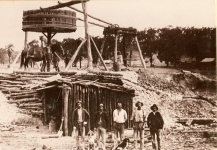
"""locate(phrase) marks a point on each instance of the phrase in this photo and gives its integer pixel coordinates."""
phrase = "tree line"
(170, 43)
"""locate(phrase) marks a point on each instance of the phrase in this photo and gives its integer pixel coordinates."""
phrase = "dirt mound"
(170, 94)
(194, 81)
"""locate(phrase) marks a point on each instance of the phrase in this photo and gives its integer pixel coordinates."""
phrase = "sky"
(139, 14)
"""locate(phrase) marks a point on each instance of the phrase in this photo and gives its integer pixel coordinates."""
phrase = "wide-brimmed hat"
(101, 104)
(154, 106)
(79, 101)
(119, 102)
(138, 103)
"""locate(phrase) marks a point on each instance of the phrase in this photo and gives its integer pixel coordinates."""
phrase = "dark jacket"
(155, 121)
(85, 116)
(104, 119)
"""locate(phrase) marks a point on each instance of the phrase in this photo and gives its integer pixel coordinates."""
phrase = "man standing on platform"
(101, 122)
(119, 118)
(138, 119)
(155, 123)
(80, 120)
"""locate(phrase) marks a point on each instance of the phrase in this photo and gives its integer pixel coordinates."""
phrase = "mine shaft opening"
(53, 108)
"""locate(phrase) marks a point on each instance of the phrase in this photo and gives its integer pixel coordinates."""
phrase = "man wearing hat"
(155, 123)
(101, 122)
(80, 119)
(138, 119)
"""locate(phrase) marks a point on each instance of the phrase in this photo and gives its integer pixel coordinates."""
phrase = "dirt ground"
(22, 132)
(29, 138)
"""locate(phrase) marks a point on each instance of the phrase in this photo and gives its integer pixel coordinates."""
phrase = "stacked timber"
(18, 88)
(25, 89)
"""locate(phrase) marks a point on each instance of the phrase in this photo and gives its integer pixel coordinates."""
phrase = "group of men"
(139, 119)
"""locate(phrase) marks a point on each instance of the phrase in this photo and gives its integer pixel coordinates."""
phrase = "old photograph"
(108, 75)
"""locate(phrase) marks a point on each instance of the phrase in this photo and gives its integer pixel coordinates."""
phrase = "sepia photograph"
(108, 75)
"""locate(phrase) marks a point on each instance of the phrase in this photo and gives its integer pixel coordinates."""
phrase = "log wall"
(92, 96)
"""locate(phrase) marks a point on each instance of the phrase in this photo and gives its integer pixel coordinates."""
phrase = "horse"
(45, 54)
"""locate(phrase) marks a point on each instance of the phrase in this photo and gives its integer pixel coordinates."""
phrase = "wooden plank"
(24, 96)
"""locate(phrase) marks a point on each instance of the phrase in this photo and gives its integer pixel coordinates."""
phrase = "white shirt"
(119, 116)
(80, 119)
(138, 115)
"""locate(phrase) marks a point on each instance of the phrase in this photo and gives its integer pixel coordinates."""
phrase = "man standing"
(101, 122)
(155, 123)
(138, 119)
(119, 118)
(80, 120)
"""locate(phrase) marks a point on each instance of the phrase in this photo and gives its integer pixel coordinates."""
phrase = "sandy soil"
(22, 132)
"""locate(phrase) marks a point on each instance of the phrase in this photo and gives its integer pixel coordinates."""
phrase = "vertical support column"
(131, 53)
(116, 65)
(124, 51)
(65, 95)
(140, 53)
(44, 108)
(49, 37)
(87, 36)
(116, 49)
(26, 39)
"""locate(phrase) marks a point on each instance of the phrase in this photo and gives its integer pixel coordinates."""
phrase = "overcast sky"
(139, 14)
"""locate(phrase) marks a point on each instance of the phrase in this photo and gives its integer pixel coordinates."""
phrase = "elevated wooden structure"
(49, 21)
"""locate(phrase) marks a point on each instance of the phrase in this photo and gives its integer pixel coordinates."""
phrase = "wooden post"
(99, 54)
(65, 95)
(140, 53)
(74, 55)
(26, 39)
(44, 108)
(49, 37)
(116, 49)
(87, 36)
(115, 64)
(131, 53)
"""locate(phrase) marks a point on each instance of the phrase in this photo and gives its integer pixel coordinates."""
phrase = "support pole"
(140, 53)
(115, 64)
(116, 49)
(49, 37)
(74, 55)
(131, 53)
(65, 95)
(26, 39)
(87, 36)
(99, 54)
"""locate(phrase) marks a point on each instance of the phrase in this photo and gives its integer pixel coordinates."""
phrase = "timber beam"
(119, 31)
(72, 2)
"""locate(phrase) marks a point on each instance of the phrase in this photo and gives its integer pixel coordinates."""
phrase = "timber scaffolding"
(53, 95)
